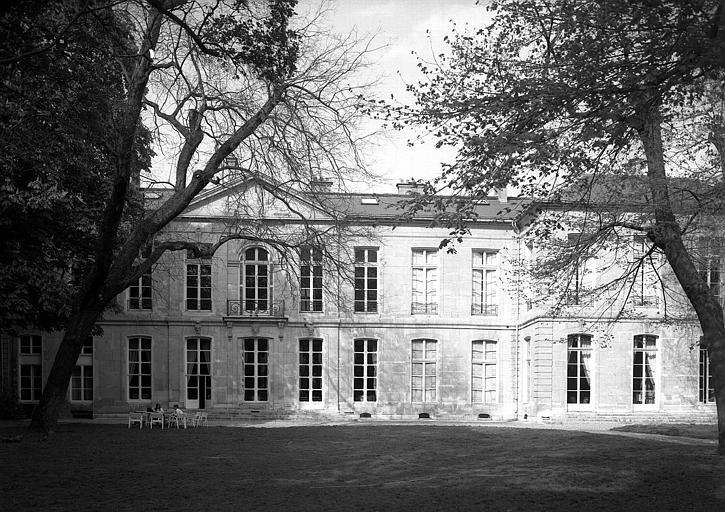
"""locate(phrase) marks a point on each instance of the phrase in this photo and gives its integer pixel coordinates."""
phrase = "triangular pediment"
(257, 199)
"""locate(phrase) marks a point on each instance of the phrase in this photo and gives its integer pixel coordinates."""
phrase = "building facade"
(411, 328)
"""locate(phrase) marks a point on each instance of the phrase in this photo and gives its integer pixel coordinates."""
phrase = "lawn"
(356, 467)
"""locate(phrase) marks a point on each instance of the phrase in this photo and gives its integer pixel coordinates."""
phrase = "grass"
(694, 430)
(355, 467)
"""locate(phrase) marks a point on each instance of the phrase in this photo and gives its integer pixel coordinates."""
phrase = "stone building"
(414, 329)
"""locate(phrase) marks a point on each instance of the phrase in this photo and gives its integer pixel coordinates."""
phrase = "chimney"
(502, 195)
(320, 185)
(410, 187)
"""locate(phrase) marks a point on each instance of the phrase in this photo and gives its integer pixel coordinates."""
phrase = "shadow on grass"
(694, 430)
(355, 467)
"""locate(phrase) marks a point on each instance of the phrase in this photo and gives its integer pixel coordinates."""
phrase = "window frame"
(198, 300)
(362, 376)
(362, 270)
(311, 271)
(425, 363)
(86, 392)
(483, 306)
(310, 365)
(245, 286)
(140, 294)
(644, 403)
(639, 296)
(706, 388)
(30, 361)
(256, 365)
(579, 351)
(140, 374)
(430, 294)
(485, 364)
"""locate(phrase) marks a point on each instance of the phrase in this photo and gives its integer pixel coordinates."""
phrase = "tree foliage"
(610, 108)
(57, 124)
(231, 91)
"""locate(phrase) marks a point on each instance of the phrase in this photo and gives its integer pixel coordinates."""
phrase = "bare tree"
(232, 90)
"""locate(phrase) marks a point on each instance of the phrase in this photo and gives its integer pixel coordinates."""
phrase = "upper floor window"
(485, 266)
(578, 369)
(424, 371)
(710, 253)
(425, 281)
(139, 293)
(198, 285)
(644, 371)
(30, 344)
(139, 368)
(644, 288)
(366, 280)
(582, 272)
(310, 279)
(483, 372)
(255, 280)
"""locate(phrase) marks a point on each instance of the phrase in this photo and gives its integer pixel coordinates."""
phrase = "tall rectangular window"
(644, 288)
(365, 368)
(423, 370)
(139, 368)
(644, 374)
(425, 281)
(198, 373)
(139, 293)
(582, 274)
(30, 382)
(485, 266)
(311, 280)
(578, 369)
(707, 388)
(198, 285)
(366, 280)
(710, 252)
(81, 383)
(310, 370)
(256, 369)
(483, 372)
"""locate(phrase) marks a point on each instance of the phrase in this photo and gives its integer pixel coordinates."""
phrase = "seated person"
(178, 410)
(158, 408)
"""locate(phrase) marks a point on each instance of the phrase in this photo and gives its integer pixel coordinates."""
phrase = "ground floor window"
(483, 372)
(310, 370)
(81, 383)
(578, 369)
(707, 389)
(139, 368)
(365, 370)
(31, 382)
(644, 371)
(424, 370)
(198, 372)
(256, 369)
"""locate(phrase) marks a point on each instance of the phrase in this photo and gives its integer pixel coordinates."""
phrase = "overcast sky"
(403, 25)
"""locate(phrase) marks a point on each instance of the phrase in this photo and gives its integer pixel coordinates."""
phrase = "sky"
(404, 26)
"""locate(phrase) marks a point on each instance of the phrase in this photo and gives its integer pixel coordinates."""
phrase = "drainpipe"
(517, 325)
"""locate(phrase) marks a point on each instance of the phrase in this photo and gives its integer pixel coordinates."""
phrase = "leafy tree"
(57, 123)
(584, 102)
(230, 90)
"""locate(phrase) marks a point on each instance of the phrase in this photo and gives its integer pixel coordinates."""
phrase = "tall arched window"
(255, 286)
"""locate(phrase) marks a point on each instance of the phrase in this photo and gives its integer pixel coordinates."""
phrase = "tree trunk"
(667, 236)
(48, 410)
